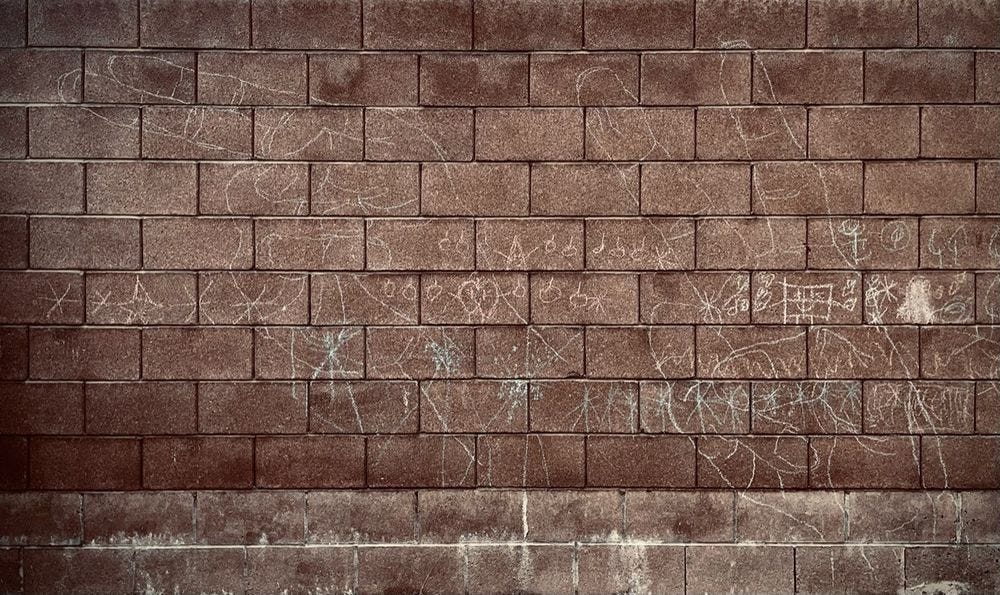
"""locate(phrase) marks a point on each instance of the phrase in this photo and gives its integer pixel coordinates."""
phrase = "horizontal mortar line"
(305, 104)
(486, 51)
(582, 160)
(485, 544)
(526, 433)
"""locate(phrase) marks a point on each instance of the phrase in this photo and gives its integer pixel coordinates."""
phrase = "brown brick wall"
(499, 295)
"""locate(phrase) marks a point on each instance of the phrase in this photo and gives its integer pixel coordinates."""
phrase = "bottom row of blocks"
(498, 567)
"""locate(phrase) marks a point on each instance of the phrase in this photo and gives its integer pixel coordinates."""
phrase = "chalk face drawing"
(515, 296)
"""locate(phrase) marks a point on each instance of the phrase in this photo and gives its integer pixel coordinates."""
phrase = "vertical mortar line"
(864, 76)
(419, 77)
(309, 90)
(250, 28)
(197, 68)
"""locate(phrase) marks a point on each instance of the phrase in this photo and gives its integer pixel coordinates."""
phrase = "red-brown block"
(307, 24)
(420, 352)
(107, 23)
(85, 463)
(678, 516)
(84, 243)
(638, 24)
(213, 570)
(351, 516)
(530, 460)
(474, 406)
(752, 462)
(647, 461)
(40, 75)
(748, 568)
(863, 352)
(369, 406)
(584, 298)
(448, 516)
(960, 131)
(961, 462)
(862, 23)
(417, 24)
(85, 353)
(808, 77)
(363, 79)
(142, 188)
(790, 517)
(614, 568)
(872, 462)
(474, 79)
(197, 463)
(203, 132)
(692, 78)
(474, 189)
(420, 244)
(195, 243)
(310, 462)
(40, 518)
(750, 24)
(919, 77)
(233, 78)
(139, 77)
(601, 79)
(196, 353)
(744, 133)
(965, 23)
(855, 568)
(38, 297)
(138, 518)
(313, 134)
(403, 569)
(421, 461)
(419, 134)
(377, 298)
(535, 134)
(128, 408)
(863, 132)
(60, 570)
(529, 351)
(529, 24)
(41, 408)
(195, 23)
(41, 187)
(640, 352)
(251, 408)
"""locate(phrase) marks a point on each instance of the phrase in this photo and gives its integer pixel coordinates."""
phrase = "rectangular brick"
(84, 243)
(31, 75)
(307, 24)
(253, 188)
(40, 518)
(363, 407)
(987, 297)
(233, 78)
(681, 78)
(14, 129)
(694, 407)
(360, 516)
(614, 568)
(777, 243)
(474, 406)
(987, 76)
(476, 298)
(529, 351)
(196, 353)
(640, 244)
(46, 187)
(85, 463)
(960, 131)
(640, 133)
(561, 515)
(363, 79)
(923, 187)
(251, 518)
(424, 134)
(421, 461)
(862, 243)
(863, 352)
(531, 569)
(869, 132)
(420, 352)
(729, 568)
(745, 133)
(987, 187)
(290, 567)
(203, 132)
(972, 566)
(14, 12)
(309, 353)
(40, 297)
(533, 134)
(420, 244)
(84, 353)
(201, 24)
(959, 242)
(313, 134)
(640, 24)
(528, 25)
(808, 187)
(770, 26)
(189, 243)
(808, 77)
(191, 569)
(959, 352)
(929, 298)
(862, 23)
(141, 298)
(980, 525)
(601, 79)
(584, 189)
(41, 408)
(584, 406)
(257, 408)
(679, 516)
(138, 188)
(138, 518)
(695, 188)
(790, 517)
(640, 352)
(530, 460)
(93, 570)
(402, 569)
(867, 462)
(139, 77)
(584, 298)
(529, 244)
(415, 25)
(14, 242)
(388, 189)
(966, 24)
(309, 244)
(474, 189)
(14, 349)
(860, 567)
(474, 79)
(646, 461)
(919, 77)
(200, 462)
(452, 516)
(128, 408)
(987, 407)
(809, 297)
(899, 516)
(751, 351)
(808, 407)
(752, 462)
(376, 298)
(310, 461)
